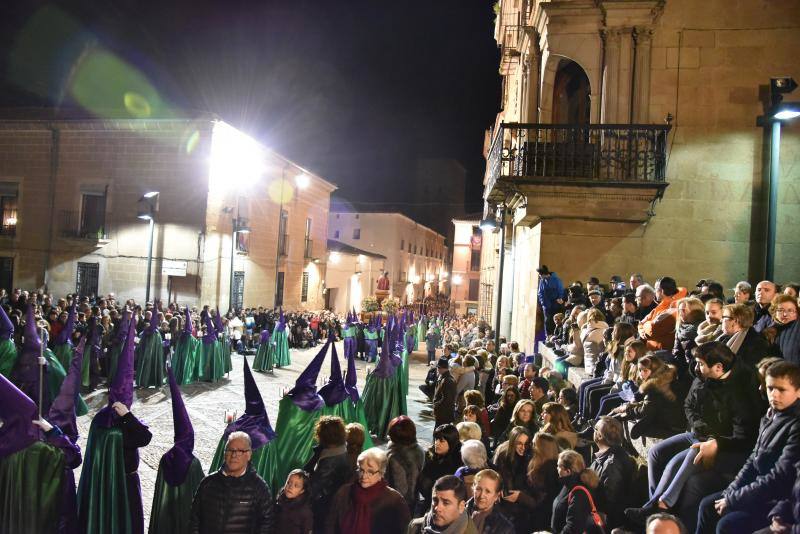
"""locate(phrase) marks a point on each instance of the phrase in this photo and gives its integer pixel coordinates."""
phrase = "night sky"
(356, 91)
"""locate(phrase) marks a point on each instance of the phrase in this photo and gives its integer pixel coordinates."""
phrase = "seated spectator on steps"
(765, 292)
(784, 334)
(659, 412)
(592, 339)
(645, 301)
(555, 421)
(769, 472)
(743, 293)
(658, 327)
(722, 408)
(738, 333)
(711, 328)
(574, 349)
(615, 467)
(690, 315)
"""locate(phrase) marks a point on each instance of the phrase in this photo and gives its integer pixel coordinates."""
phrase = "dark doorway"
(571, 90)
(7, 274)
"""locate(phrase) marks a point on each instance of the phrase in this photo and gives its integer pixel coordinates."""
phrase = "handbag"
(597, 518)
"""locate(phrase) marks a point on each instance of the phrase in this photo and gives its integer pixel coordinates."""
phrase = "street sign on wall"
(173, 267)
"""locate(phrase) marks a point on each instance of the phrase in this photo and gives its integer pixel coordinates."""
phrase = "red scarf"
(358, 520)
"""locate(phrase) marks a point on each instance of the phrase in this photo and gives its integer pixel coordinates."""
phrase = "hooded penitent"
(280, 343)
(179, 473)
(91, 358)
(184, 361)
(211, 358)
(8, 351)
(299, 411)
(371, 335)
(225, 343)
(254, 421)
(349, 335)
(118, 344)
(62, 343)
(150, 356)
(384, 398)
(264, 356)
(109, 494)
(31, 472)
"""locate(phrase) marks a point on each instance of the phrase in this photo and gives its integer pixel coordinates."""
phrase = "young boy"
(769, 473)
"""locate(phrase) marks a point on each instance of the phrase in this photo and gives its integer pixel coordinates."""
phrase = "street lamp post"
(778, 112)
(148, 207)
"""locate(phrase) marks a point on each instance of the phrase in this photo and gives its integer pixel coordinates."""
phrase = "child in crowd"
(293, 513)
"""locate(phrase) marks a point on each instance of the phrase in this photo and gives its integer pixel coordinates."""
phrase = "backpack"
(597, 518)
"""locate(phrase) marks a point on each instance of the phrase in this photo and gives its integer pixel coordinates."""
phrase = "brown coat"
(390, 513)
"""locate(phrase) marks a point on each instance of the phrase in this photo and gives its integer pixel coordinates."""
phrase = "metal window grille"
(87, 279)
(304, 288)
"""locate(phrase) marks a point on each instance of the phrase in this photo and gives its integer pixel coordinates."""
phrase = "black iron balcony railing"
(308, 248)
(71, 226)
(596, 153)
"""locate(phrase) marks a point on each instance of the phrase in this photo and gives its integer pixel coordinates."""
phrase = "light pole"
(777, 113)
(148, 207)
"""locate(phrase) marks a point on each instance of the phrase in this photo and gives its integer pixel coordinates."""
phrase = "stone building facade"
(465, 277)
(662, 169)
(76, 187)
(416, 256)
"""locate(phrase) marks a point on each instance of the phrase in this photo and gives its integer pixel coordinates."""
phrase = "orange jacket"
(658, 327)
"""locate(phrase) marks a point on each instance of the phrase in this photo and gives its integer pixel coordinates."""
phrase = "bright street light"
(302, 180)
(457, 279)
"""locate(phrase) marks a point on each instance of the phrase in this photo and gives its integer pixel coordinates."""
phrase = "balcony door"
(571, 90)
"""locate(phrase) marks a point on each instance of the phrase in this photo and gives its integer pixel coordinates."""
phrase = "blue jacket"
(550, 290)
(769, 472)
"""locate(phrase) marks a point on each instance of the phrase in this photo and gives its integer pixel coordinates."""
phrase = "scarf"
(456, 526)
(707, 332)
(358, 520)
(735, 342)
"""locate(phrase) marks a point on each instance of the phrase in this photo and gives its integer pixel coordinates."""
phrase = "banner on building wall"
(173, 268)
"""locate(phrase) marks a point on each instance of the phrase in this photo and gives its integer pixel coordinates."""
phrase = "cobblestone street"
(207, 404)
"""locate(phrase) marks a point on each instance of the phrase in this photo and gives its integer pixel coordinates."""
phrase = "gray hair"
(645, 288)
(473, 454)
(377, 456)
(240, 435)
(744, 287)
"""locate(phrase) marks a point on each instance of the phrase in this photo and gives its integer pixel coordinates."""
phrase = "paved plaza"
(207, 404)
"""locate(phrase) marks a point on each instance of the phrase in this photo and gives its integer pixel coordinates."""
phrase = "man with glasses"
(234, 500)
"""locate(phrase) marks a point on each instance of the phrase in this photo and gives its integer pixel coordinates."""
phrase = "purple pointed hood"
(153, 324)
(187, 324)
(304, 393)
(264, 336)
(122, 331)
(218, 326)
(62, 411)
(65, 336)
(351, 381)
(121, 389)
(178, 459)
(6, 326)
(211, 334)
(17, 411)
(26, 373)
(282, 320)
(254, 421)
(334, 391)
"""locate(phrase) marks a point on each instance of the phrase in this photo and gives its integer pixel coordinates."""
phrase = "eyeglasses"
(727, 317)
(786, 311)
(236, 452)
(367, 472)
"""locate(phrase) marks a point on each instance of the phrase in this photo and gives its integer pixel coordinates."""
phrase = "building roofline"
(344, 248)
(390, 213)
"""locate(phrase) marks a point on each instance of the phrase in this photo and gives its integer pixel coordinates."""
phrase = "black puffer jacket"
(659, 414)
(330, 470)
(232, 505)
(616, 468)
(726, 410)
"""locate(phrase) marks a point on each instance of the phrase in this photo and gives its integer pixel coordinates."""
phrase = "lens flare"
(137, 105)
(192, 141)
(280, 191)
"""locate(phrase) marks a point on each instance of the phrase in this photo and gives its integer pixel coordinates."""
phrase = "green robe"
(64, 354)
(55, 377)
(225, 347)
(212, 360)
(383, 401)
(103, 481)
(184, 360)
(31, 489)
(172, 505)
(150, 370)
(264, 360)
(280, 345)
(113, 359)
(8, 357)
